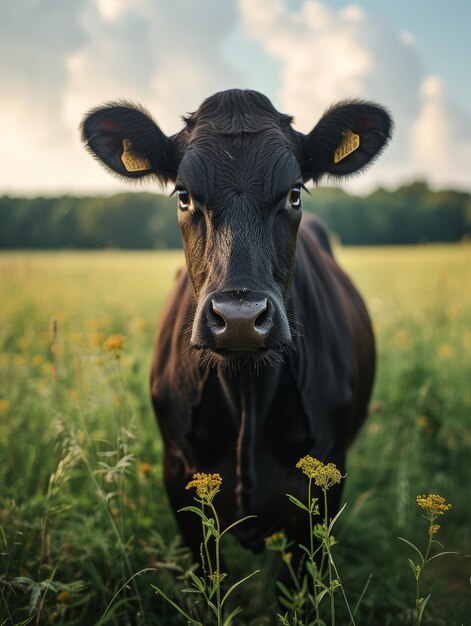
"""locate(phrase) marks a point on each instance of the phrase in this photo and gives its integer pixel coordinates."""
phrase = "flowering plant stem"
(334, 583)
(323, 476)
(217, 576)
(433, 505)
(329, 560)
(208, 585)
(312, 553)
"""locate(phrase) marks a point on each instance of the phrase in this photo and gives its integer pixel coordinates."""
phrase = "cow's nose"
(240, 323)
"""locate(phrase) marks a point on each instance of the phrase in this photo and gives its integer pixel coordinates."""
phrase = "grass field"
(82, 507)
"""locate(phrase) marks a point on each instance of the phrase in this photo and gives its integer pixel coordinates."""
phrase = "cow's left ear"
(126, 140)
(347, 138)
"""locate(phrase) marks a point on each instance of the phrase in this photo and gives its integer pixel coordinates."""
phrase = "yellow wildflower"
(76, 339)
(206, 485)
(144, 468)
(47, 368)
(4, 405)
(217, 577)
(274, 539)
(453, 313)
(287, 557)
(433, 504)
(324, 475)
(401, 339)
(37, 360)
(423, 421)
(114, 343)
(445, 351)
(65, 597)
(374, 428)
(434, 528)
(23, 343)
(97, 340)
(328, 475)
(308, 465)
(377, 406)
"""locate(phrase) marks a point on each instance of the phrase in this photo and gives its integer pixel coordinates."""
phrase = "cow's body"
(265, 352)
(252, 427)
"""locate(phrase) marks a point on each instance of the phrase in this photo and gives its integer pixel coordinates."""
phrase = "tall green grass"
(85, 525)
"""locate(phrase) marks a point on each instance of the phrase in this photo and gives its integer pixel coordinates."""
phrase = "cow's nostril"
(264, 320)
(218, 323)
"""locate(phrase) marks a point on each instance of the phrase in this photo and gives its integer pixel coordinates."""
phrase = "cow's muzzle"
(240, 320)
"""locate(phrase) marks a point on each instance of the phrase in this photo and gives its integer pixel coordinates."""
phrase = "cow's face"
(239, 169)
(239, 188)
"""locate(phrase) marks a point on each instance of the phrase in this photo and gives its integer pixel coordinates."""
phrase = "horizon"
(149, 188)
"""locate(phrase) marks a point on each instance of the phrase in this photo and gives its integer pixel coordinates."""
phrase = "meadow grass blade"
(236, 523)
(409, 543)
(123, 586)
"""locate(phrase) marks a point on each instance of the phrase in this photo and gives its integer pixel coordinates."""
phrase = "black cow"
(265, 351)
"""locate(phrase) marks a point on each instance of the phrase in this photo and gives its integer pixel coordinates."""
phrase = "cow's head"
(239, 169)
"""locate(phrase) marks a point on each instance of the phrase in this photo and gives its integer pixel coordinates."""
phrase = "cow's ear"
(129, 143)
(346, 139)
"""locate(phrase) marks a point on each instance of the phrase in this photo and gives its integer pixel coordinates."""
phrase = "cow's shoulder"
(313, 225)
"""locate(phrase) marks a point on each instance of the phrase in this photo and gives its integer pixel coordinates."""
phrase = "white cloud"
(327, 55)
(164, 54)
(34, 38)
(64, 58)
(407, 38)
(431, 133)
(441, 137)
(113, 9)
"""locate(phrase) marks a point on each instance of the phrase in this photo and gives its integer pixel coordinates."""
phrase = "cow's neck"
(250, 396)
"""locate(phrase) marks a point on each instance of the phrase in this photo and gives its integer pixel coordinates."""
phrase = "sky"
(59, 58)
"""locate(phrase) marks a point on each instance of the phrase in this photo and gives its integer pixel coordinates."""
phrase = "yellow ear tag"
(132, 162)
(349, 143)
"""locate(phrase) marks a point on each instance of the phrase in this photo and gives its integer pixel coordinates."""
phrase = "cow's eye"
(184, 200)
(294, 197)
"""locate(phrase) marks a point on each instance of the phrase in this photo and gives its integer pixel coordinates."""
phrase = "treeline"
(128, 220)
(411, 214)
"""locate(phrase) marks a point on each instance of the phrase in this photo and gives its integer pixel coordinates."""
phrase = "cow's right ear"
(126, 140)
